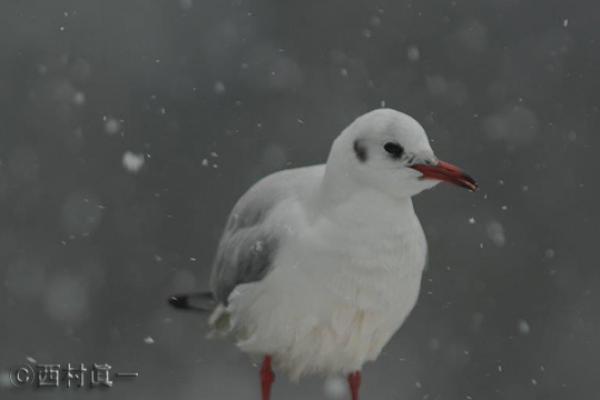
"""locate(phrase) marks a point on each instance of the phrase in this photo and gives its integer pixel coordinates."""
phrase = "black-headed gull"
(319, 266)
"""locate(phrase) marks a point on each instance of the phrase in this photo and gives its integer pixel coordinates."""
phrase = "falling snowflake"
(413, 54)
(111, 125)
(523, 327)
(148, 340)
(219, 87)
(133, 162)
(335, 387)
(79, 98)
(495, 232)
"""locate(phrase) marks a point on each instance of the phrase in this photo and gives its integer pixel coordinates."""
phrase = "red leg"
(267, 377)
(354, 382)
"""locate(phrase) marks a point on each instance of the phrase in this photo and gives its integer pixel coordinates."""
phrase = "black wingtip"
(201, 301)
(181, 302)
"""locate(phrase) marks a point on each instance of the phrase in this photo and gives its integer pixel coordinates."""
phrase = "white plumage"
(319, 266)
(340, 286)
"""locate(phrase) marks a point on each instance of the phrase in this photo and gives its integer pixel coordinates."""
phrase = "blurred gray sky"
(129, 128)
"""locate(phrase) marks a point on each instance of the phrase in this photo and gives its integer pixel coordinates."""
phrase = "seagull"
(319, 266)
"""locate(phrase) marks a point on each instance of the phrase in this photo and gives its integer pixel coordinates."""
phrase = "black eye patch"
(394, 149)
(360, 150)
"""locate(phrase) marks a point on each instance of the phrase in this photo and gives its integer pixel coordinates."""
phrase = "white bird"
(319, 266)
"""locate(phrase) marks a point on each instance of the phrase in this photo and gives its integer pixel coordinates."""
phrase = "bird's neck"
(353, 204)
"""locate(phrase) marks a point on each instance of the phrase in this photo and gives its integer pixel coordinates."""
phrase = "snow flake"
(219, 87)
(111, 125)
(523, 327)
(133, 162)
(413, 54)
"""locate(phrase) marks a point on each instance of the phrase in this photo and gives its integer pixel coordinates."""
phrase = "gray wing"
(247, 247)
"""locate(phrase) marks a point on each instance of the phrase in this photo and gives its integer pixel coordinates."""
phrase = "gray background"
(214, 94)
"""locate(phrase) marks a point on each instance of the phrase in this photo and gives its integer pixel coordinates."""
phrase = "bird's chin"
(412, 187)
(421, 185)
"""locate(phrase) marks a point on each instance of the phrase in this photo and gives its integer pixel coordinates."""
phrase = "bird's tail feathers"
(219, 320)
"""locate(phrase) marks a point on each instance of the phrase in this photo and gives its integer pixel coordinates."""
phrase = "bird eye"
(394, 149)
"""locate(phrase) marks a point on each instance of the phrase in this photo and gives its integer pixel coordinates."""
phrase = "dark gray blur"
(128, 128)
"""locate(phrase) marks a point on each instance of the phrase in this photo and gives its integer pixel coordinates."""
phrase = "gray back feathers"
(247, 247)
(251, 240)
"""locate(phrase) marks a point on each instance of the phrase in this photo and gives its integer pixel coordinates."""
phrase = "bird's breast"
(335, 296)
(369, 266)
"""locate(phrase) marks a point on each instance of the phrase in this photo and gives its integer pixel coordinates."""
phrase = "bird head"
(389, 151)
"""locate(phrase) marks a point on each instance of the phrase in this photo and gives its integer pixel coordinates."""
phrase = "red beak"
(446, 172)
